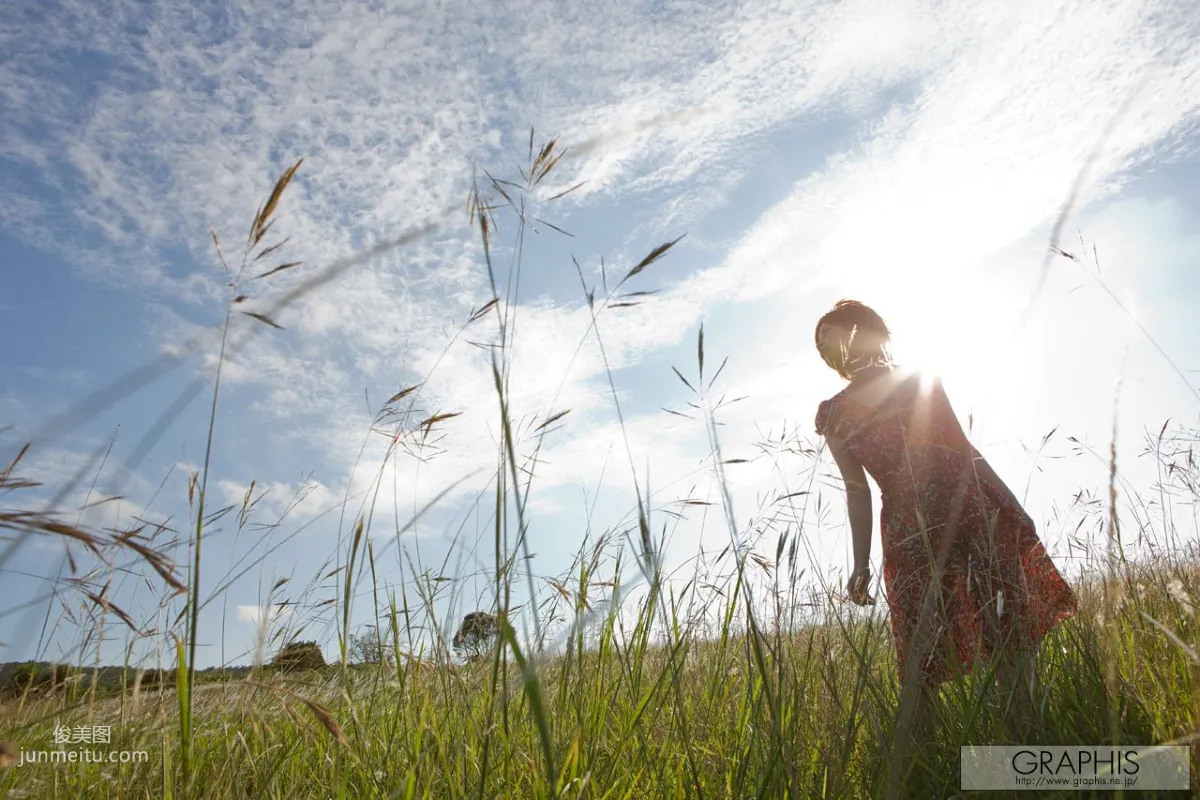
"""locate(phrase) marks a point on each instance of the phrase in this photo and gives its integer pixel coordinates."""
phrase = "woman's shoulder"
(898, 388)
(826, 411)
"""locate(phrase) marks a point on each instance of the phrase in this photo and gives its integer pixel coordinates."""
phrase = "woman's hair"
(861, 319)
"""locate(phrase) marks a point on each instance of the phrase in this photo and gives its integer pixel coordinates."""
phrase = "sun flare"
(963, 328)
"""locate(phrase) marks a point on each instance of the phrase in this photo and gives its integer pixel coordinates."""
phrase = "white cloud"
(269, 502)
(270, 615)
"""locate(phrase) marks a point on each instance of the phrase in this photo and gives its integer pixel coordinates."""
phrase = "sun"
(962, 326)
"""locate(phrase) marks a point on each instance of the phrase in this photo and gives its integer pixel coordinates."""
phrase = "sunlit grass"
(613, 713)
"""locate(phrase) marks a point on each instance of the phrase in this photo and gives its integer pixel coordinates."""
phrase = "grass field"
(754, 697)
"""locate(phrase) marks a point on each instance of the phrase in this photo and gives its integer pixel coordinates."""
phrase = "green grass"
(691, 719)
(698, 686)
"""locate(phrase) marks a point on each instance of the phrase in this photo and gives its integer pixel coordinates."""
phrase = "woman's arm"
(859, 511)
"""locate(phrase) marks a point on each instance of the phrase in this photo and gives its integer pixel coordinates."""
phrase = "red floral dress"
(997, 581)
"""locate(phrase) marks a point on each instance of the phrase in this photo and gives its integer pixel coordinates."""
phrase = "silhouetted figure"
(966, 577)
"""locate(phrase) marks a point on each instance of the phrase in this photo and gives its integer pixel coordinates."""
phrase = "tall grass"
(619, 677)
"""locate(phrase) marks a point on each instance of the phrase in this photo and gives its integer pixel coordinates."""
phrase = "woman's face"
(833, 343)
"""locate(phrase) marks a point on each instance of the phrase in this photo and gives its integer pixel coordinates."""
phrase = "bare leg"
(1016, 678)
(915, 731)
(916, 717)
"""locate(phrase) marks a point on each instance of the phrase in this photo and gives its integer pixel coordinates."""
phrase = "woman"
(966, 577)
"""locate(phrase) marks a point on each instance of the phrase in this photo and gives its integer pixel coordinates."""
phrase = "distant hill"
(41, 676)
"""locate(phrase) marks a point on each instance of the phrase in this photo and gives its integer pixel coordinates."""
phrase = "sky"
(917, 156)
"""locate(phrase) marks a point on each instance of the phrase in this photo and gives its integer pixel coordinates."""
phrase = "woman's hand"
(856, 587)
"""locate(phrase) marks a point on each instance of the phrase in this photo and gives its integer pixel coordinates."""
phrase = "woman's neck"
(867, 364)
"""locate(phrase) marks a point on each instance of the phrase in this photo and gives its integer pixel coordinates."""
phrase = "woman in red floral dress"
(966, 576)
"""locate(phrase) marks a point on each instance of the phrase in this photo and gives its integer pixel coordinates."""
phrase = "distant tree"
(298, 656)
(477, 635)
(368, 647)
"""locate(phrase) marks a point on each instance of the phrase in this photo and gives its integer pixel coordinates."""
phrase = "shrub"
(299, 656)
(476, 636)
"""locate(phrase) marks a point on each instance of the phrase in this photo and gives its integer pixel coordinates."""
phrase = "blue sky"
(913, 155)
